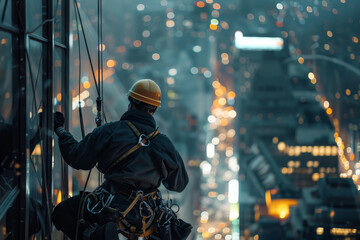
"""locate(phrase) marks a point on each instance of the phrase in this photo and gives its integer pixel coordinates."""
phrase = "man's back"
(144, 169)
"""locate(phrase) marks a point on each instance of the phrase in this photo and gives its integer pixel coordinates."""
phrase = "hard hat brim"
(144, 99)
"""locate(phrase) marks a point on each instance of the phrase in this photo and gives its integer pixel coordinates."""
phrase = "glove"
(59, 120)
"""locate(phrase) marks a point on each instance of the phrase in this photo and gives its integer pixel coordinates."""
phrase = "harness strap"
(133, 203)
(132, 126)
(148, 226)
(143, 141)
(132, 230)
(139, 196)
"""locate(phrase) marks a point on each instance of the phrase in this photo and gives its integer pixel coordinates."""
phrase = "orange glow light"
(216, 6)
(120, 49)
(280, 208)
(212, 194)
(231, 94)
(222, 101)
(216, 84)
(329, 111)
(58, 97)
(268, 198)
(156, 56)
(213, 27)
(206, 235)
(137, 43)
(86, 84)
(301, 60)
(219, 92)
(111, 63)
(222, 225)
(216, 103)
(279, 24)
(223, 122)
(200, 4)
(58, 200)
(170, 23)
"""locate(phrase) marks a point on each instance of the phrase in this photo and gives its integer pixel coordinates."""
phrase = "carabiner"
(142, 136)
(148, 208)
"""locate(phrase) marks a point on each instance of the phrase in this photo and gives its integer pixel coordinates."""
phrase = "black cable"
(40, 25)
(79, 80)
(97, 82)
(86, 45)
(3, 13)
(101, 81)
(99, 48)
(102, 64)
(81, 124)
(98, 86)
(102, 113)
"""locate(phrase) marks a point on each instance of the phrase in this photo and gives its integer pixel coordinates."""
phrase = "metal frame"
(20, 42)
(65, 89)
(48, 77)
(21, 229)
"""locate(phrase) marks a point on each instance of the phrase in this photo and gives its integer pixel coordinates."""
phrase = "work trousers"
(65, 218)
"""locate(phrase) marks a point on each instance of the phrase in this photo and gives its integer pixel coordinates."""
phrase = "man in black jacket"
(140, 173)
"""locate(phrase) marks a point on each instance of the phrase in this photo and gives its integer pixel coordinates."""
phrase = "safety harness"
(99, 201)
(144, 141)
(147, 213)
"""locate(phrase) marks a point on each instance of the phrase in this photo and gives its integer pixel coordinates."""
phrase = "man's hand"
(59, 120)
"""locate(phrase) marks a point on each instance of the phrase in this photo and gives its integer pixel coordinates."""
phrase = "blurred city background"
(261, 98)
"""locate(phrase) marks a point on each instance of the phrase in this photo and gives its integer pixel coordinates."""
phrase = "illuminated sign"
(233, 191)
(258, 43)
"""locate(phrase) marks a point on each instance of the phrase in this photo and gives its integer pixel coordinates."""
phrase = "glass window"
(5, 12)
(8, 190)
(5, 75)
(58, 103)
(34, 16)
(88, 96)
(60, 184)
(59, 14)
(37, 183)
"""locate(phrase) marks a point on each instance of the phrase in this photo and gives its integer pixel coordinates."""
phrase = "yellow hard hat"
(147, 91)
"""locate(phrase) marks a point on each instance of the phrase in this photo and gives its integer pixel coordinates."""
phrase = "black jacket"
(144, 169)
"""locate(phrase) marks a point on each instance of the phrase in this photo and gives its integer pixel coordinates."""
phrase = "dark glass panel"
(59, 13)
(8, 191)
(5, 11)
(35, 100)
(35, 18)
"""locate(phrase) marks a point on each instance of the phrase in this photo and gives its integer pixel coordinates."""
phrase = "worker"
(132, 177)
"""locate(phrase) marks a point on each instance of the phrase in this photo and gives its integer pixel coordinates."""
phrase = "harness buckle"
(143, 136)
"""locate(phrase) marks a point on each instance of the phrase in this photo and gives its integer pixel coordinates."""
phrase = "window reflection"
(37, 183)
(8, 190)
(59, 24)
(6, 6)
(35, 16)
